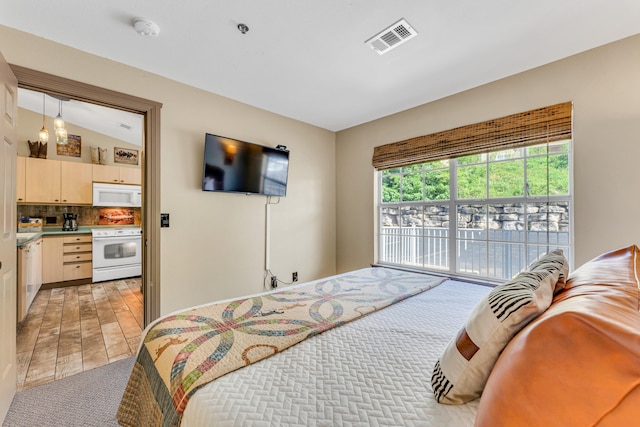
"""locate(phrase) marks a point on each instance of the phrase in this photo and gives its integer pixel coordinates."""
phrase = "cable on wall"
(267, 234)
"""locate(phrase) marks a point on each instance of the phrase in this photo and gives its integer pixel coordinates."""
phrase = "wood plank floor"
(76, 328)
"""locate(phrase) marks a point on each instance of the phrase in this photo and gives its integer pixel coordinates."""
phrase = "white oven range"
(117, 253)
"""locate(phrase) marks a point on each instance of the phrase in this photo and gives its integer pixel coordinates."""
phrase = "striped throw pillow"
(462, 371)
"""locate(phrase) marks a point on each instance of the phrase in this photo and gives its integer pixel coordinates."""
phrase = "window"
(483, 214)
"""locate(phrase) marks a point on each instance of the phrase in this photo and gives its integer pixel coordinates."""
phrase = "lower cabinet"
(52, 259)
(66, 258)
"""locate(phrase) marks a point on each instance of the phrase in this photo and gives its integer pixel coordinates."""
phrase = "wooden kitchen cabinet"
(21, 174)
(55, 181)
(52, 259)
(76, 182)
(131, 176)
(79, 270)
(67, 258)
(42, 180)
(103, 173)
(116, 174)
(76, 258)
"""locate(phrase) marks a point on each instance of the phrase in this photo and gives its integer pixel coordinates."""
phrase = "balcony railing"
(496, 254)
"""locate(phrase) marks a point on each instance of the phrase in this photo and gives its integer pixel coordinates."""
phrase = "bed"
(375, 370)
(572, 359)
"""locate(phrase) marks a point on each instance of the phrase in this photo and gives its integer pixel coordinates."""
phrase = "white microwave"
(117, 195)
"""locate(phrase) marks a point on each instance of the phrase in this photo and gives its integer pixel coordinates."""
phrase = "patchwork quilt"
(184, 351)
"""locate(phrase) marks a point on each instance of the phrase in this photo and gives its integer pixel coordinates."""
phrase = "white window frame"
(453, 203)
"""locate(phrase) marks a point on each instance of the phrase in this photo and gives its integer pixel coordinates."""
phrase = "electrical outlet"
(274, 282)
(294, 276)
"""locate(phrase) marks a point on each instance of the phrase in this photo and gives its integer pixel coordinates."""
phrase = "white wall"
(215, 246)
(604, 85)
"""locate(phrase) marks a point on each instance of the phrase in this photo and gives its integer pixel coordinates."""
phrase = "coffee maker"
(70, 222)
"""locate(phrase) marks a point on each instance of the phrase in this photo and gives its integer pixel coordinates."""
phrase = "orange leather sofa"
(577, 364)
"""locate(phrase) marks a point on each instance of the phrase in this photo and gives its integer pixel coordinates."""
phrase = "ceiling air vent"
(392, 37)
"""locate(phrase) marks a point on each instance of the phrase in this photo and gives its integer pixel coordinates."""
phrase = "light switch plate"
(164, 220)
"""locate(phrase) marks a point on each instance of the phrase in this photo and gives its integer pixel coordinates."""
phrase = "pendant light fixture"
(58, 125)
(61, 136)
(43, 136)
(58, 122)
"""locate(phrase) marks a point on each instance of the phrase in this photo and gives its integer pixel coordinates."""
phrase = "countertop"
(56, 231)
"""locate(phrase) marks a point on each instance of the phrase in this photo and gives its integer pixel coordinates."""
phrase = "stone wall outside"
(540, 216)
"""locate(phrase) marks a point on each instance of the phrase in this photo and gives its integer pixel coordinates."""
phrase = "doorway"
(82, 316)
(150, 163)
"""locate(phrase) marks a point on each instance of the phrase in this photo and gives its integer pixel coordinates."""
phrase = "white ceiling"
(306, 59)
(117, 124)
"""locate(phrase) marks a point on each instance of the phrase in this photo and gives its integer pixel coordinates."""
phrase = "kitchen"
(79, 234)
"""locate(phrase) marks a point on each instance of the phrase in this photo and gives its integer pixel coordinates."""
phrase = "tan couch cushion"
(462, 371)
(578, 364)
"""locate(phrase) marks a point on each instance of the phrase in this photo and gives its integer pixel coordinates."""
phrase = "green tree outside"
(503, 175)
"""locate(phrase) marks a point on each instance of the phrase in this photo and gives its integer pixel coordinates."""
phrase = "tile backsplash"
(87, 215)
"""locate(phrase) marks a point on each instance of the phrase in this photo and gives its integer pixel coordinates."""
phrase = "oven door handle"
(117, 238)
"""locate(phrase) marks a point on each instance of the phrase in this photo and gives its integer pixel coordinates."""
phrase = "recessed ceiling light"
(146, 28)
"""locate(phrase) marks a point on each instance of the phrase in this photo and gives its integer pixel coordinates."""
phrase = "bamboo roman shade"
(546, 124)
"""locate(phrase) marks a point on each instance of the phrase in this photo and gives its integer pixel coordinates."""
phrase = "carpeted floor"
(87, 399)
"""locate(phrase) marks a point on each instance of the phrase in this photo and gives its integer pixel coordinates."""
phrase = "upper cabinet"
(117, 174)
(130, 175)
(21, 175)
(75, 183)
(53, 181)
(42, 180)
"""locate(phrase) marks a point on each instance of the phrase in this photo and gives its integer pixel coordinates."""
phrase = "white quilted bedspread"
(375, 371)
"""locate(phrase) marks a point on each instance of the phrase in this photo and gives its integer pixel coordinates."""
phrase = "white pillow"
(462, 371)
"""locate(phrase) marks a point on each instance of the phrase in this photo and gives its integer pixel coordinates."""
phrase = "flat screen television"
(231, 165)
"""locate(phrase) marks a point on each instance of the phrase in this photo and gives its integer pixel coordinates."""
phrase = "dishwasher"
(29, 275)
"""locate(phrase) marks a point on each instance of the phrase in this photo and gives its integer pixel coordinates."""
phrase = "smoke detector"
(392, 37)
(146, 28)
